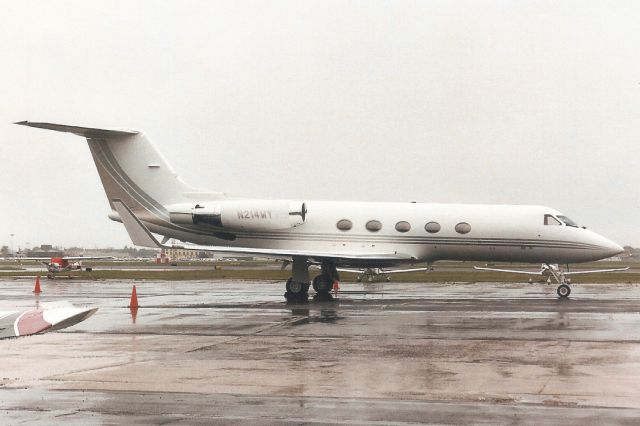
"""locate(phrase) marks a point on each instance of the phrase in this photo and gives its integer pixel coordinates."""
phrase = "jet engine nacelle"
(241, 215)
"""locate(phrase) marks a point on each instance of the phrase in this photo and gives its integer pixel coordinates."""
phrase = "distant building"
(179, 253)
(45, 250)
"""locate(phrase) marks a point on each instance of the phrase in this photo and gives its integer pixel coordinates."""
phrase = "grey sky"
(483, 102)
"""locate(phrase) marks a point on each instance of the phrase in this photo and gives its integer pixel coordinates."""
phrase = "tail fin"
(131, 169)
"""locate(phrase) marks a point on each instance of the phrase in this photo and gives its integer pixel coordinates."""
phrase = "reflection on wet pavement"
(379, 352)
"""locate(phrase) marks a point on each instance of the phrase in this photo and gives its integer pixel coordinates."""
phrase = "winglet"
(139, 234)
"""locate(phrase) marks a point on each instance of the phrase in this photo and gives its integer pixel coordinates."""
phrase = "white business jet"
(148, 197)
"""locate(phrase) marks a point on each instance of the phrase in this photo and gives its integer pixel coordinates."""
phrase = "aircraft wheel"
(564, 290)
(296, 287)
(322, 284)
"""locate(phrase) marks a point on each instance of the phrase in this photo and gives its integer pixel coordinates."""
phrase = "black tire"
(322, 284)
(296, 297)
(563, 291)
(296, 287)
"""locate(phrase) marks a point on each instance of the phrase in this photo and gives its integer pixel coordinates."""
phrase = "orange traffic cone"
(36, 289)
(133, 303)
(336, 287)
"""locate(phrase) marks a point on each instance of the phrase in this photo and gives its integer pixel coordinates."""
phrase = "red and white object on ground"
(50, 317)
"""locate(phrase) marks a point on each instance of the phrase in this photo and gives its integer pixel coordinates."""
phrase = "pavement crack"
(567, 343)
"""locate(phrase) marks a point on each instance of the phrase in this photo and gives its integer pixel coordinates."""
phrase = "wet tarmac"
(381, 353)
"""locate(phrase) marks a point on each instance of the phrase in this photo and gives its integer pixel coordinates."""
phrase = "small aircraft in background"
(370, 273)
(553, 270)
(56, 265)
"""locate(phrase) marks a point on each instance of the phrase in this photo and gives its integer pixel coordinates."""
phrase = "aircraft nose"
(609, 248)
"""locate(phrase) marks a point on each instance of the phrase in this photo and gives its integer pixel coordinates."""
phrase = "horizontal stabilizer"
(87, 132)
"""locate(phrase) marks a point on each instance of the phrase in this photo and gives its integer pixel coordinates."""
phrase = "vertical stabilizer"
(131, 169)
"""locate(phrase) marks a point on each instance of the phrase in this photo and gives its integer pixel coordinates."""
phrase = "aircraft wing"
(383, 272)
(595, 271)
(66, 258)
(141, 236)
(353, 271)
(87, 257)
(33, 258)
(398, 271)
(52, 316)
(511, 271)
(286, 253)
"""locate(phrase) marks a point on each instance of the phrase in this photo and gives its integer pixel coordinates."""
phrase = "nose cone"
(609, 248)
(602, 247)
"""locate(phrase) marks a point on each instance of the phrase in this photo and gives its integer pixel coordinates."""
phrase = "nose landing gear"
(563, 289)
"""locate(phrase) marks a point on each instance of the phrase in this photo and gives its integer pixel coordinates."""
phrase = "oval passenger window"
(403, 226)
(374, 225)
(432, 227)
(344, 225)
(463, 228)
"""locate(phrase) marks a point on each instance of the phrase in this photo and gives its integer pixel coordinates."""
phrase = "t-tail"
(133, 170)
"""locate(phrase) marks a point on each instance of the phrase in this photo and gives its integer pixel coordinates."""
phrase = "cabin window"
(550, 220)
(344, 225)
(432, 227)
(403, 226)
(373, 225)
(463, 228)
(568, 221)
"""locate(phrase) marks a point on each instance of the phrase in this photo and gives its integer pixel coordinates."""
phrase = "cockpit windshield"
(568, 221)
(550, 220)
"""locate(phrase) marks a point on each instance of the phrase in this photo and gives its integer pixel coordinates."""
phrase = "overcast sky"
(533, 102)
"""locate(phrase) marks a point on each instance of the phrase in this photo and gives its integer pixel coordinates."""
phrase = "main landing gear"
(563, 289)
(298, 285)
